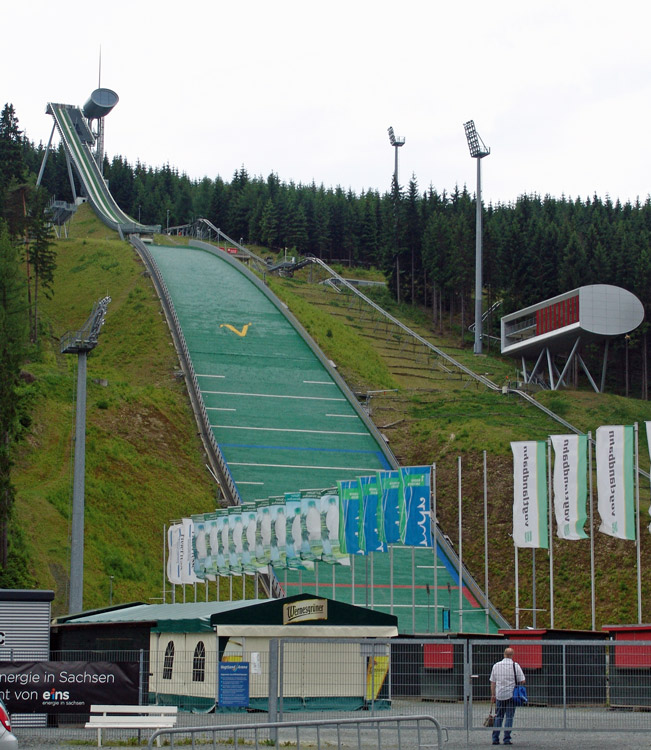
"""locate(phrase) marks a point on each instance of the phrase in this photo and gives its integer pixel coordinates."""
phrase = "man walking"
(504, 676)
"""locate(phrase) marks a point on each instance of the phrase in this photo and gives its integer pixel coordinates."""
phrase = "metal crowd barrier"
(417, 732)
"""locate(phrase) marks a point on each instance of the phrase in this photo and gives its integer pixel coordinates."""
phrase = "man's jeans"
(504, 710)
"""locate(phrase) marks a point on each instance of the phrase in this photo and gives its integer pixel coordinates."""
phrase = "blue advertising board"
(234, 684)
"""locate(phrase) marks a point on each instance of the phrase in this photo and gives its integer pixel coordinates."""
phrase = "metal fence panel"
(573, 685)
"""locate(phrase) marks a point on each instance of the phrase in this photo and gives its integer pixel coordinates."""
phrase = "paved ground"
(535, 728)
(551, 740)
(458, 740)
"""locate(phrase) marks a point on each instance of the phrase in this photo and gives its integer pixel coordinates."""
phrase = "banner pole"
(517, 592)
(533, 577)
(592, 581)
(637, 511)
(164, 563)
(486, 547)
(334, 581)
(366, 556)
(460, 551)
(391, 576)
(550, 534)
(436, 557)
(413, 589)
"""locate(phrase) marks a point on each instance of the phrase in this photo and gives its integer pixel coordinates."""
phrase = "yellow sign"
(376, 674)
(307, 609)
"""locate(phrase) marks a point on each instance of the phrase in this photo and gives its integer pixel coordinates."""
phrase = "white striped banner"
(570, 485)
(530, 494)
(615, 486)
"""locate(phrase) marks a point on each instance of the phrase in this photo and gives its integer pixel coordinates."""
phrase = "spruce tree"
(41, 254)
(12, 342)
(12, 168)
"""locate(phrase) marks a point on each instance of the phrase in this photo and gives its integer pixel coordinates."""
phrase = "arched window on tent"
(168, 661)
(199, 663)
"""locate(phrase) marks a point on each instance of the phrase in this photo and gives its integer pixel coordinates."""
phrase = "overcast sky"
(559, 90)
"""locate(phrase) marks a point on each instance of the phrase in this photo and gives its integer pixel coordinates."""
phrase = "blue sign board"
(234, 684)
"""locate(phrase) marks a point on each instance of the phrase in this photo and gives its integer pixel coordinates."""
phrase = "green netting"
(417, 611)
(279, 418)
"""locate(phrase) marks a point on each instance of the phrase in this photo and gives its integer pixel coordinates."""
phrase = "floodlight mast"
(80, 343)
(477, 151)
(396, 142)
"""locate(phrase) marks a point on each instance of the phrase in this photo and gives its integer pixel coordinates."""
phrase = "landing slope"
(281, 416)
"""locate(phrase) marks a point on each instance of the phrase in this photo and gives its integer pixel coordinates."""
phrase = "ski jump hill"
(276, 416)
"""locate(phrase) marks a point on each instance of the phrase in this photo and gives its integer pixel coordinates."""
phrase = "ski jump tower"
(100, 103)
(82, 135)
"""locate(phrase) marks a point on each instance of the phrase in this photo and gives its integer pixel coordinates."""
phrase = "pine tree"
(436, 250)
(41, 253)
(297, 234)
(573, 264)
(12, 342)
(322, 240)
(413, 235)
(269, 226)
(12, 168)
(394, 255)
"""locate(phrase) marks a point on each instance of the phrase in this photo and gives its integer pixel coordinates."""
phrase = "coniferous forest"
(422, 237)
(534, 247)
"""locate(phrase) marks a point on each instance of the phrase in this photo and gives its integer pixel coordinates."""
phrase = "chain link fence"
(573, 685)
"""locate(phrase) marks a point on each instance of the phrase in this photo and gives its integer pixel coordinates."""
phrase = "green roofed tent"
(269, 618)
(333, 671)
(253, 614)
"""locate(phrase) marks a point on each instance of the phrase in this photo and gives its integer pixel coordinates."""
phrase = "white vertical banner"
(615, 487)
(648, 442)
(173, 553)
(186, 552)
(570, 485)
(530, 494)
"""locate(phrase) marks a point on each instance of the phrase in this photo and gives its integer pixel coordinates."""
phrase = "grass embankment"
(144, 461)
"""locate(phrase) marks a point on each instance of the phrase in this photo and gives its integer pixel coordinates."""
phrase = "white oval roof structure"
(609, 310)
(590, 312)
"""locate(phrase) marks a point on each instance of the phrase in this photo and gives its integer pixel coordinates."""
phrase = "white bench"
(131, 717)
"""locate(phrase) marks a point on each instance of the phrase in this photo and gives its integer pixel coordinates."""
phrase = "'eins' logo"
(56, 695)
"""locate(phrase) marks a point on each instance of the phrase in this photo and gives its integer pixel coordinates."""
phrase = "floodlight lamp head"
(395, 140)
(477, 147)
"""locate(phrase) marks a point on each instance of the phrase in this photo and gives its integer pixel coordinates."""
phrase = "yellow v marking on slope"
(232, 328)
